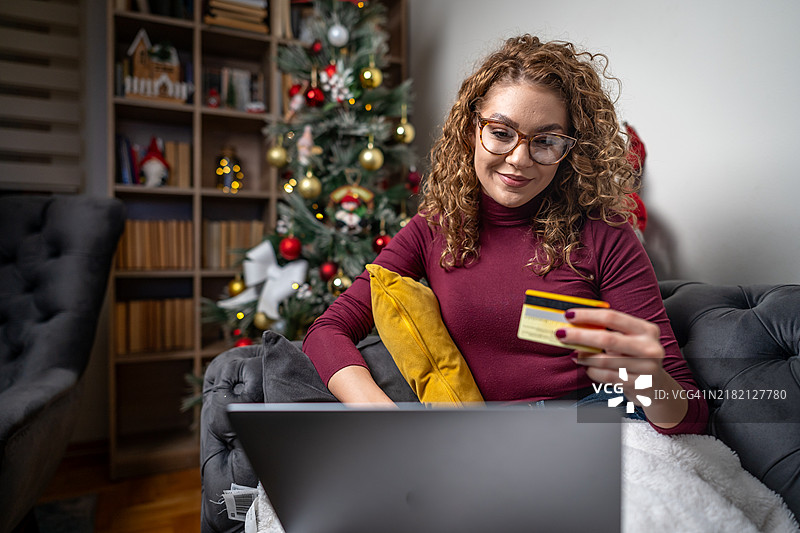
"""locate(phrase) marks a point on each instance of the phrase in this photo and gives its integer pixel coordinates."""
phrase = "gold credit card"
(543, 314)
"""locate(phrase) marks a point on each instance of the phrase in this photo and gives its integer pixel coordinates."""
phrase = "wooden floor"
(163, 503)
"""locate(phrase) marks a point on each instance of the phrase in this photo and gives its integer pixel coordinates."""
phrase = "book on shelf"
(188, 230)
(137, 245)
(124, 164)
(225, 242)
(121, 327)
(229, 22)
(155, 325)
(170, 323)
(253, 4)
(171, 157)
(156, 245)
(149, 244)
(259, 13)
(135, 328)
(252, 17)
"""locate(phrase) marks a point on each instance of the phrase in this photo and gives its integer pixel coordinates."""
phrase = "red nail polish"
(569, 315)
(561, 333)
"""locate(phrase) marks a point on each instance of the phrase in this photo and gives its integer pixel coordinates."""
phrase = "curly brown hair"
(593, 181)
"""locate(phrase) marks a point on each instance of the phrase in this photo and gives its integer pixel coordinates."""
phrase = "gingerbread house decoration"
(155, 73)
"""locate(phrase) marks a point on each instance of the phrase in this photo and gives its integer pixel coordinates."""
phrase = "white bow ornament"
(261, 266)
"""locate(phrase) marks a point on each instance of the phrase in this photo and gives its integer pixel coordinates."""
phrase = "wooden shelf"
(153, 108)
(148, 431)
(121, 189)
(216, 193)
(154, 273)
(222, 273)
(150, 357)
(153, 19)
(220, 36)
(233, 113)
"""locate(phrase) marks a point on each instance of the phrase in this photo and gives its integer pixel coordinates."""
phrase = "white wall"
(712, 88)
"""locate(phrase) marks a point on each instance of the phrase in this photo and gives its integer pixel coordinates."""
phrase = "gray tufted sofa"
(734, 338)
(55, 255)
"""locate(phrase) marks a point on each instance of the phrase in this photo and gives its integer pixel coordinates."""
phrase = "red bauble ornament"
(294, 89)
(330, 70)
(314, 97)
(290, 248)
(316, 47)
(244, 341)
(380, 243)
(327, 270)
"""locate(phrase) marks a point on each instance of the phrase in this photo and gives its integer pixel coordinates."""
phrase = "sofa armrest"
(739, 341)
(276, 370)
(234, 376)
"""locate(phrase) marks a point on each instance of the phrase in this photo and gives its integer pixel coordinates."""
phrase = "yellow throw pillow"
(409, 322)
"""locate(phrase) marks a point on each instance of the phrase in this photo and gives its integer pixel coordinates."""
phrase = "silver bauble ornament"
(338, 35)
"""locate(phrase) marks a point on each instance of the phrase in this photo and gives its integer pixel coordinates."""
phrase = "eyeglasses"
(546, 148)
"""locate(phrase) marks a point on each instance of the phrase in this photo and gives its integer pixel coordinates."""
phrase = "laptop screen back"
(330, 468)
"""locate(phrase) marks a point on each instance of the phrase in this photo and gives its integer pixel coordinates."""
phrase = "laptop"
(330, 468)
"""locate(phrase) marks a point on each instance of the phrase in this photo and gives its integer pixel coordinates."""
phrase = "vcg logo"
(645, 381)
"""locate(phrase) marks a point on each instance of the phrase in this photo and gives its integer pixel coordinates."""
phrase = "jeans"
(590, 397)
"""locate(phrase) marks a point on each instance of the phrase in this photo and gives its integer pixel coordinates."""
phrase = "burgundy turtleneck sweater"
(481, 305)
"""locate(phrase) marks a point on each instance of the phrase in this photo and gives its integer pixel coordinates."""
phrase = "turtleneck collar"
(499, 215)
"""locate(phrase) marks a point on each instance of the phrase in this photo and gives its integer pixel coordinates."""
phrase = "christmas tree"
(343, 155)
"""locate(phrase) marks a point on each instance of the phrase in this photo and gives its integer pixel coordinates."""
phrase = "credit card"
(543, 314)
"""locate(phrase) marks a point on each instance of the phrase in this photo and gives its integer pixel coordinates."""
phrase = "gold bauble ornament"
(371, 77)
(309, 187)
(236, 286)
(404, 132)
(277, 156)
(262, 321)
(371, 158)
(339, 283)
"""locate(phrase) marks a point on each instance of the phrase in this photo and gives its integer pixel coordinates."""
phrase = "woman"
(528, 190)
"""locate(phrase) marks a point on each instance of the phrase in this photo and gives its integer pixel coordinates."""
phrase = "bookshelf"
(173, 252)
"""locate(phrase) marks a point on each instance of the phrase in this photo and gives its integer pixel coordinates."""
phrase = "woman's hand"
(354, 385)
(630, 343)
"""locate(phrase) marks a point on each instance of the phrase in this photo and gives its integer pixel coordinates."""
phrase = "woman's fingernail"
(561, 333)
(569, 315)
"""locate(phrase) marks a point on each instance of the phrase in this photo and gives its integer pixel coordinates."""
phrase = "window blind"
(41, 95)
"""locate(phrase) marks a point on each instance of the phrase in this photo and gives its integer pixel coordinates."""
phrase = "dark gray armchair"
(55, 256)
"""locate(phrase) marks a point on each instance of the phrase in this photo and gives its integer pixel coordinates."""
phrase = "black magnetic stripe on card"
(553, 304)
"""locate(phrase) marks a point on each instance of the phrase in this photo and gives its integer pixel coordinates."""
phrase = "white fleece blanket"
(693, 483)
(685, 483)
